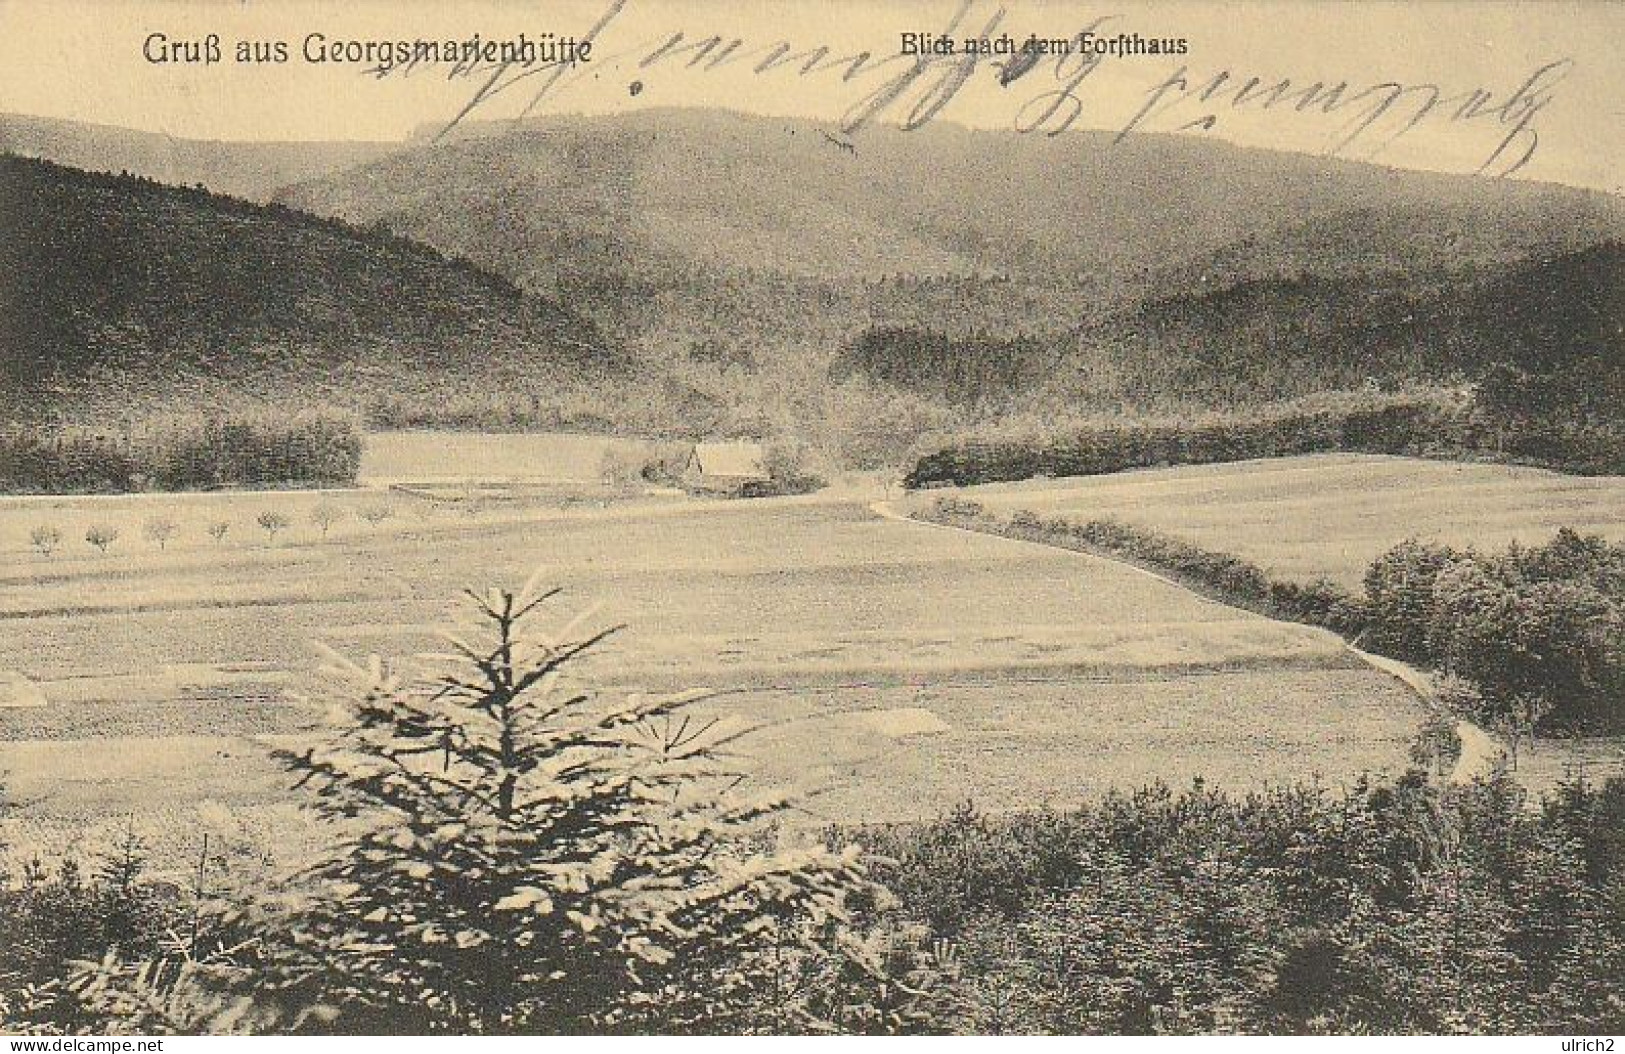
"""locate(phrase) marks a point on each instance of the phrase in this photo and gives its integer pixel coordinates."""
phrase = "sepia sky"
(1533, 89)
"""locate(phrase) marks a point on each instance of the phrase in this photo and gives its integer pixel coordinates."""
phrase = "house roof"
(741, 460)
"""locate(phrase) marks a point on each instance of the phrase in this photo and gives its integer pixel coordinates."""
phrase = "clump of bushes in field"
(1422, 422)
(306, 450)
(1539, 631)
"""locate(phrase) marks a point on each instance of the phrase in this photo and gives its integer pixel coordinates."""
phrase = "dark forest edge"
(168, 454)
(1529, 636)
(637, 888)
(1443, 423)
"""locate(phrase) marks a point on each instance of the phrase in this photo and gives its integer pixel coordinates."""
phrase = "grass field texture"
(895, 669)
(1332, 514)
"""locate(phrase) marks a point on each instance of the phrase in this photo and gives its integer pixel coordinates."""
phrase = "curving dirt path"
(1479, 750)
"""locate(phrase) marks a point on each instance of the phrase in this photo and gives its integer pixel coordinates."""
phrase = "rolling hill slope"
(1156, 270)
(662, 195)
(119, 292)
(1559, 316)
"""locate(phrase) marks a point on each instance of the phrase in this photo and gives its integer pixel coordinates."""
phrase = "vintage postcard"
(888, 517)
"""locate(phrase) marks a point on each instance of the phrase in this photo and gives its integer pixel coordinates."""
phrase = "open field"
(1330, 514)
(390, 457)
(897, 669)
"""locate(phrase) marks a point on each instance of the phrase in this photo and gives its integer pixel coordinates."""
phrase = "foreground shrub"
(51, 918)
(532, 858)
(1396, 907)
(1405, 906)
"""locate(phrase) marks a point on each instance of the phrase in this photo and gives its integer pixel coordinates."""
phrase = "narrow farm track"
(1479, 750)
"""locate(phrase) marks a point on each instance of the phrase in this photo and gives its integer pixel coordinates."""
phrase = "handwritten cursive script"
(1048, 91)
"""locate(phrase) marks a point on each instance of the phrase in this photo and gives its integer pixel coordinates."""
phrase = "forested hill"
(660, 196)
(119, 290)
(1553, 323)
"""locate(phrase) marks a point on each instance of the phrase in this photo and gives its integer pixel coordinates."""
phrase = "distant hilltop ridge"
(257, 170)
(251, 170)
(654, 196)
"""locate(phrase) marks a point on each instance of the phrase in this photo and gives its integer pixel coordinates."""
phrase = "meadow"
(1327, 516)
(891, 670)
(1330, 515)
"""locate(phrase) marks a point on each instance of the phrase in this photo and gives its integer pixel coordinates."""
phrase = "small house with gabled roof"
(737, 468)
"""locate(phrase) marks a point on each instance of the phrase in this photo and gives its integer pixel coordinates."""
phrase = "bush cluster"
(50, 918)
(312, 449)
(1400, 907)
(1537, 629)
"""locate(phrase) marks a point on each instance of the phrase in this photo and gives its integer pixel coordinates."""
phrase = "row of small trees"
(1447, 423)
(159, 530)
